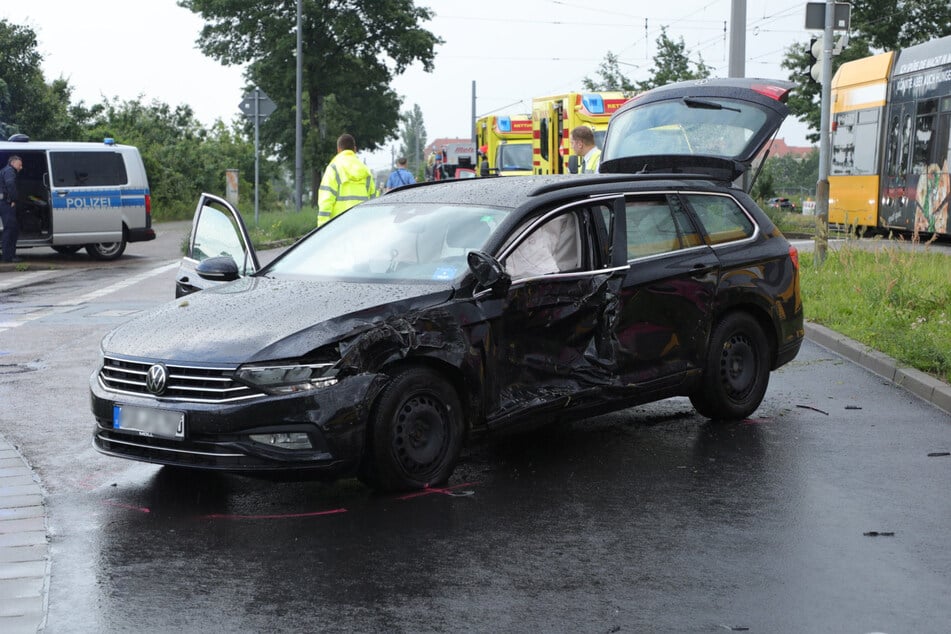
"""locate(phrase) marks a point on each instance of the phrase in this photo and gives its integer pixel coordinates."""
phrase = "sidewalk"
(24, 536)
(24, 545)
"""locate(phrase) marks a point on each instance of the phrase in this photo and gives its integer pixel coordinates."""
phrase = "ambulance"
(505, 145)
(72, 196)
(554, 117)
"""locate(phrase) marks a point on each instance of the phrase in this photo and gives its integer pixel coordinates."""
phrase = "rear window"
(718, 127)
(722, 218)
(87, 169)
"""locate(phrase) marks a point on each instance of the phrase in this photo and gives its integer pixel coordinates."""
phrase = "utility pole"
(822, 187)
(298, 121)
(737, 64)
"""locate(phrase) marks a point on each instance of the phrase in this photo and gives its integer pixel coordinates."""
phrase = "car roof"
(515, 191)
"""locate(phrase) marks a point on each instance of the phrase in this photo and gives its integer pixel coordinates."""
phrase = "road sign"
(257, 102)
(816, 16)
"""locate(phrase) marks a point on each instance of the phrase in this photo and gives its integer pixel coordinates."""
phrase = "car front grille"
(185, 382)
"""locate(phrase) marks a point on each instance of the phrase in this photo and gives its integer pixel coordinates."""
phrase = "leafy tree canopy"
(671, 64)
(352, 50)
(28, 104)
(876, 26)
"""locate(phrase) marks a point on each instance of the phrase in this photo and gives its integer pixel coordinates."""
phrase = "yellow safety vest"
(346, 182)
(590, 162)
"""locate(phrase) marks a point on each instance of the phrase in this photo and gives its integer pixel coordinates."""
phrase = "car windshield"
(715, 126)
(404, 241)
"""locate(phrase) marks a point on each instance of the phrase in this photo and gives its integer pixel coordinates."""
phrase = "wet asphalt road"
(647, 520)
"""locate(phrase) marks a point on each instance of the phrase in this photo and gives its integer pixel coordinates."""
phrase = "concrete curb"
(24, 545)
(924, 386)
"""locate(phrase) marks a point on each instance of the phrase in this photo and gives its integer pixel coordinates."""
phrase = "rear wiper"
(692, 102)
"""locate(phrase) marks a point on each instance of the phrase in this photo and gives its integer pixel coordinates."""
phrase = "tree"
(611, 77)
(672, 64)
(181, 157)
(413, 133)
(876, 26)
(352, 50)
(27, 103)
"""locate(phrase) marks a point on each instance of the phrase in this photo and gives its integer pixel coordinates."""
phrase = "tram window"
(855, 143)
(924, 140)
(904, 147)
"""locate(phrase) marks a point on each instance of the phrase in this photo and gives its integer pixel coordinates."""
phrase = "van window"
(87, 169)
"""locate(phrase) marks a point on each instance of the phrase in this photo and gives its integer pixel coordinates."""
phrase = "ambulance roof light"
(505, 124)
(109, 141)
(593, 103)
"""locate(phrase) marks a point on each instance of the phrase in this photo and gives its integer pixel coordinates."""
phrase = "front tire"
(106, 250)
(416, 433)
(737, 370)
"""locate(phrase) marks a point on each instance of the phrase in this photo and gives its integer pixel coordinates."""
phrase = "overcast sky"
(513, 51)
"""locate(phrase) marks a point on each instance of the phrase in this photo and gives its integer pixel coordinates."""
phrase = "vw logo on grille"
(156, 378)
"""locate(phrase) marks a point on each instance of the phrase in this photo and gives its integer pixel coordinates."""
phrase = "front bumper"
(218, 436)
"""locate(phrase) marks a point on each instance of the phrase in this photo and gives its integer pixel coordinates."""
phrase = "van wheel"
(737, 370)
(416, 433)
(67, 249)
(105, 250)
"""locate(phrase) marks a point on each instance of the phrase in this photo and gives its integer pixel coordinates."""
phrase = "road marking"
(8, 323)
(25, 278)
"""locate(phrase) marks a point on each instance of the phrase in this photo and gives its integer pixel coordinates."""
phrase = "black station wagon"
(379, 343)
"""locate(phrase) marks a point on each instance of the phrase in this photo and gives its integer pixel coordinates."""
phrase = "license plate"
(146, 421)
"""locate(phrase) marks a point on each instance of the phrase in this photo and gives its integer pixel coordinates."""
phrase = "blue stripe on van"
(100, 198)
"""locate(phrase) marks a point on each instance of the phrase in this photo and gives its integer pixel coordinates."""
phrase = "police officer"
(8, 211)
(582, 143)
(346, 182)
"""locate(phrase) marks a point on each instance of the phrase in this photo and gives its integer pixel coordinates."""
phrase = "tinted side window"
(654, 226)
(87, 169)
(722, 218)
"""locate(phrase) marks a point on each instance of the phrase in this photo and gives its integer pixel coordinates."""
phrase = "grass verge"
(892, 299)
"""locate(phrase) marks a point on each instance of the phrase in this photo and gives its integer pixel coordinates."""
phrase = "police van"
(80, 195)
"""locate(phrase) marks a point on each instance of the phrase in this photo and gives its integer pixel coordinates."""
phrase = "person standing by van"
(8, 211)
(400, 176)
(582, 142)
(346, 182)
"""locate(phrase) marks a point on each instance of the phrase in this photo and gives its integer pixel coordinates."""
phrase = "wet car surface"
(383, 342)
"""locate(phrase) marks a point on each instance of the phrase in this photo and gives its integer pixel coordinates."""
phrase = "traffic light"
(815, 51)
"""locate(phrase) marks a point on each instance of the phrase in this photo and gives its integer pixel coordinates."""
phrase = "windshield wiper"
(692, 102)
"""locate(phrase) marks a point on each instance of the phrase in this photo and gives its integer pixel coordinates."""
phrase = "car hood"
(259, 318)
(713, 127)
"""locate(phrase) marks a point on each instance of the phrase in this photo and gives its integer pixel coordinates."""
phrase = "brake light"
(794, 256)
(148, 204)
(773, 92)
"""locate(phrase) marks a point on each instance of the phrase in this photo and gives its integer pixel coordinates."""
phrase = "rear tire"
(737, 370)
(106, 250)
(415, 434)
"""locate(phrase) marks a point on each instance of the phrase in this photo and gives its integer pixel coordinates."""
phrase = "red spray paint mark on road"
(431, 490)
(140, 509)
(278, 516)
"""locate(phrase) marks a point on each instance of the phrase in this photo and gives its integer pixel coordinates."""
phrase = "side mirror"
(220, 269)
(488, 272)
(574, 165)
(484, 168)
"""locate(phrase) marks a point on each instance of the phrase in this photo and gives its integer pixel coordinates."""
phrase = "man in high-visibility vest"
(346, 182)
(582, 142)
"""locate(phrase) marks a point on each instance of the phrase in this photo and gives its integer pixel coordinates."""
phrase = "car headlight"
(287, 379)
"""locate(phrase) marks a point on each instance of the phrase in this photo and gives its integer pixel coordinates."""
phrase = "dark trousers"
(11, 231)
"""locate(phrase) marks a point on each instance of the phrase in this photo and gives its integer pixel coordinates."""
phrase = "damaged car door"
(553, 341)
